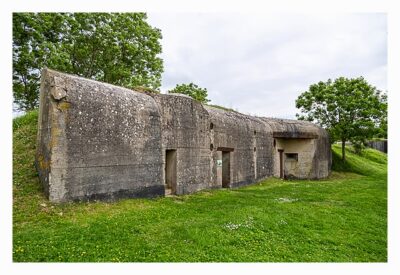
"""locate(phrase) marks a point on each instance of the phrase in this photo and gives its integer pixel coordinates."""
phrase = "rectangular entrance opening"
(226, 169)
(281, 173)
(170, 172)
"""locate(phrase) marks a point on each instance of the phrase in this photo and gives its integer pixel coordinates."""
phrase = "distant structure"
(97, 141)
(381, 145)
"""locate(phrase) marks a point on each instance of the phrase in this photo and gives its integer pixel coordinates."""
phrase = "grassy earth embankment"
(340, 219)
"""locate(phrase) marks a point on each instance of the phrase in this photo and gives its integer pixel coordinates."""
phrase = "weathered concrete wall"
(97, 141)
(322, 160)
(295, 168)
(308, 141)
(185, 128)
(249, 140)
(44, 136)
(380, 145)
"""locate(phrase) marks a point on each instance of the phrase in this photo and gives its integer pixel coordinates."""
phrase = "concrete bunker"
(295, 157)
(302, 150)
(102, 142)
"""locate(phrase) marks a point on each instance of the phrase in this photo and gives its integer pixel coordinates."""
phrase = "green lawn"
(341, 219)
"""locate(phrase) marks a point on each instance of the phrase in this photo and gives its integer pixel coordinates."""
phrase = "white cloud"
(260, 63)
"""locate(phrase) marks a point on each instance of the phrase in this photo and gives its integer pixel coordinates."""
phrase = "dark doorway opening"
(226, 169)
(281, 174)
(170, 172)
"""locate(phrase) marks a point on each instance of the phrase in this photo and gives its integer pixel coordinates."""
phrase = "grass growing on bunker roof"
(340, 219)
(222, 108)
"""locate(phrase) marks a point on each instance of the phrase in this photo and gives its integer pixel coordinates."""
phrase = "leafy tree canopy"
(192, 90)
(118, 48)
(350, 109)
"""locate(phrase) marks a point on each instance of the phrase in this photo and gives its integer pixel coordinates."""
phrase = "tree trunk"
(343, 150)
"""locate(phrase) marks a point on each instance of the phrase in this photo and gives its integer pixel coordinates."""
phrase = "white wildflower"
(282, 222)
(286, 200)
(233, 226)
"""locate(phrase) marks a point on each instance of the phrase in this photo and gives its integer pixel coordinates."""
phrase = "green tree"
(382, 133)
(118, 48)
(192, 90)
(350, 109)
(35, 37)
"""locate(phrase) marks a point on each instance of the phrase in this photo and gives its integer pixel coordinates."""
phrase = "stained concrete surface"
(97, 141)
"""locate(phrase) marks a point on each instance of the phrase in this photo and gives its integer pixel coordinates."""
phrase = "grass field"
(340, 219)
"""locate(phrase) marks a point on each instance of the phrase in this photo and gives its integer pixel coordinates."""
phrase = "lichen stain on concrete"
(55, 133)
(107, 142)
(63, 105)
(43, 164)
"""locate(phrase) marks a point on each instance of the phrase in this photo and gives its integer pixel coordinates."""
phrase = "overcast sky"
(259, 63)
